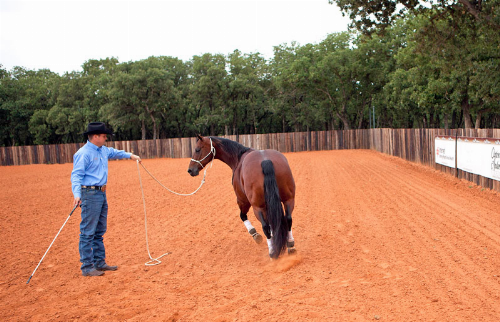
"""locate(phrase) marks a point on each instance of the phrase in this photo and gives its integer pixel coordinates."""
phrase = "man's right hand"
(77, 202)
(135, 158)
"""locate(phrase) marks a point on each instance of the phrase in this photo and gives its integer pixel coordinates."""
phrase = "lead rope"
(177, 193)
(153, 261)
(156, 261)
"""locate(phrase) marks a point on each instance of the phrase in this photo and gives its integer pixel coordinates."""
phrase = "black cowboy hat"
(97, 128)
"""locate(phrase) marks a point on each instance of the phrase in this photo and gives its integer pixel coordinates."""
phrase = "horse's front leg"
(251, 229)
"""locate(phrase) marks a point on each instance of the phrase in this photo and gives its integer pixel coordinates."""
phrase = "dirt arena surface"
(378, 238)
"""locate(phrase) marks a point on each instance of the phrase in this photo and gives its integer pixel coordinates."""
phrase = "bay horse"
(261, 179)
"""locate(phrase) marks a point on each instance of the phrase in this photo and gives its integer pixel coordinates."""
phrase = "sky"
(62, 35)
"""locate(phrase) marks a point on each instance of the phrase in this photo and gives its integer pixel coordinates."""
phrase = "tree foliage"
(374, 16)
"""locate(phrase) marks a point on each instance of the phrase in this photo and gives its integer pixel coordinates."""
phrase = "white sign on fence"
(444, 151)
(479, 156)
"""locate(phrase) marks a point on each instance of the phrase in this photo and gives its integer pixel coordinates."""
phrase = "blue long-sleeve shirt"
(90, 166)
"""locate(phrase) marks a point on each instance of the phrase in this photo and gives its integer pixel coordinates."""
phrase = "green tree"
(143, 94)
(291, 66)
(78, 97)
(208, 92)
(67, 117)
(244, 108)
(4, 111)
(456, 41)
(97, 75)
(370, 16)
(335, 76)
(23, 93)
(450, 83)
(175, 117)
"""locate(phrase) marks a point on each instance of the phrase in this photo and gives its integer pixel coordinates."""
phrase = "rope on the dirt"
(156, 261)
(153, 261)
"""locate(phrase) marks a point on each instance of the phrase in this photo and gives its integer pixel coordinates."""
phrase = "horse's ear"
(199, 137)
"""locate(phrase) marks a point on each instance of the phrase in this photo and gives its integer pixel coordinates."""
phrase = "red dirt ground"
(378, 238)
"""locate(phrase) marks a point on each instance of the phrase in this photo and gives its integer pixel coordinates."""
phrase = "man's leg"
(98, 243)
(92, 203)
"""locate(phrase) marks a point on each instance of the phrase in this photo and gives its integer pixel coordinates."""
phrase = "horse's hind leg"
(251, 229)
(267, 230)
(289, 205)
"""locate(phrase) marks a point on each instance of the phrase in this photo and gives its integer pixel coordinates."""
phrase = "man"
(88, 181)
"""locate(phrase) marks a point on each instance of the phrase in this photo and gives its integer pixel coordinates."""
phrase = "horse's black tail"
(275, 214)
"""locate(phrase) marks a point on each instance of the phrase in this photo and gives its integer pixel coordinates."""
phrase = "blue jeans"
(92, 228)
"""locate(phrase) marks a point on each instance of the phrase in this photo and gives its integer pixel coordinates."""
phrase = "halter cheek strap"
(212, 151)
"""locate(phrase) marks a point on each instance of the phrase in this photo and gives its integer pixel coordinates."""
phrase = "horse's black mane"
(231, 147)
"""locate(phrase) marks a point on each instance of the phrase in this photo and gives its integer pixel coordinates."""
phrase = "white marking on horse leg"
(248, 225)
(291, 242)
(270, 246)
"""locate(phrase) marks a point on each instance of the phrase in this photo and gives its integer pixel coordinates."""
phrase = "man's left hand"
(135, 158)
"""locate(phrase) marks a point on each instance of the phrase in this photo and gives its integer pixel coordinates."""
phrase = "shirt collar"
(93, 146)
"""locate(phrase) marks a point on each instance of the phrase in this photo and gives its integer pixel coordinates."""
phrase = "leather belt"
(101, 188)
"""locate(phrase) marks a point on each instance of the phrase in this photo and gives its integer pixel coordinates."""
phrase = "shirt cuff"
(77, 193)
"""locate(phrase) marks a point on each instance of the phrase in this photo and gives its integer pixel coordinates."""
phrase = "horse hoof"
(258, 238)
(290, 244)
(291, 250)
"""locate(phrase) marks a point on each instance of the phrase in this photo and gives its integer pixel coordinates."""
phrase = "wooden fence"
(416, 145)
(183, 147)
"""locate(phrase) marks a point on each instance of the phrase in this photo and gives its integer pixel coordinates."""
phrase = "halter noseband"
(212, 151)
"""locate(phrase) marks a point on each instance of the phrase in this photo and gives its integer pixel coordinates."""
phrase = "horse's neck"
(231, 160)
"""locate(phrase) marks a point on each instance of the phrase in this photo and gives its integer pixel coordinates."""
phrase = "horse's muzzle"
(193, 171)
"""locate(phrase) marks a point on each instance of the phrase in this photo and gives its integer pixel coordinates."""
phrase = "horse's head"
(204, 152)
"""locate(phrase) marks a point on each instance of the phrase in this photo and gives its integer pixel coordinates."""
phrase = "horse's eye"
(197, 150)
